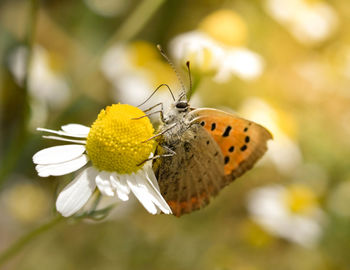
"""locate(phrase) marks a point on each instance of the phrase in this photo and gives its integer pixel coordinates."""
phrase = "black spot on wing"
(231, 149)
(213, 126)
(227, 159)
(243, 148)
(227, 131)
(202, 123)
(247, 139)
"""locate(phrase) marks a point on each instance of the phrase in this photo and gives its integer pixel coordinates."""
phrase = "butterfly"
(200, 151)
(210, 149)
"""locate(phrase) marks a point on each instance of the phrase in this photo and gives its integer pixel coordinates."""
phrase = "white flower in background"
(310, 22)
(283, 151)
(217, 48)
(47, 87)
(289, 212)
(116, 144)
(135, 70)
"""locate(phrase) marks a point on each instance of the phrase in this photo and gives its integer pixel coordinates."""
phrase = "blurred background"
(282, 63)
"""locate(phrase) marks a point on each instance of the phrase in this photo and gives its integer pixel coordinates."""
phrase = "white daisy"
(116, 145)
(138, 68)
(284, 152)
(217, 48)
(47, 86)
(310, 22)
(289, 212)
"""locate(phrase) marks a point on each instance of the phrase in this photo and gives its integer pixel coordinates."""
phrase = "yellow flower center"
(300, 199)
(116, 141)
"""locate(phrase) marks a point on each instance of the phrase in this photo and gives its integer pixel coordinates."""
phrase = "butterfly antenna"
(189, 77)
(171, 92)
(173, 67)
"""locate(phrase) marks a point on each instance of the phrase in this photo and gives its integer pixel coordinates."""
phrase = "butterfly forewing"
(242, 142)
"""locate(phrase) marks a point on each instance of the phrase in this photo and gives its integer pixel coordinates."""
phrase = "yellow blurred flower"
(255, 235)
(225, 26)
(142, 53)
(300, 199)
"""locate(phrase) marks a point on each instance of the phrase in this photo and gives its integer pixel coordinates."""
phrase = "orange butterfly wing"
(242, 142)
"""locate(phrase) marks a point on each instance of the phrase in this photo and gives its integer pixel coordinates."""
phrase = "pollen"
(117, 141)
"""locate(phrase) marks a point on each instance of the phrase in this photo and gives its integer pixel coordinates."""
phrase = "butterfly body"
(211, 148)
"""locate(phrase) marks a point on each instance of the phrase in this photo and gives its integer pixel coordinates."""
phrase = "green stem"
(26, 239)
(127, 30)
(21, 133)
(132, 26)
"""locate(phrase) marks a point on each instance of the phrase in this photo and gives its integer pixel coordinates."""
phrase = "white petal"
(122, 189)
(73, 197)
(144, 197)
(148, 170)
(57, 138)
(143, 181)
(62, 133)
(104, 184)
(58, 154)
(76, 129)
(62, 168)
(154, 190)
(120, 182)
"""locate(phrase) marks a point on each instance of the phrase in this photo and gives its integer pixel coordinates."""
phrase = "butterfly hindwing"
(242, 142)
(189, 178)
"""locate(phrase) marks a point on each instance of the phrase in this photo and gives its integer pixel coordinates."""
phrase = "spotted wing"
(242, 142)
(189, 178)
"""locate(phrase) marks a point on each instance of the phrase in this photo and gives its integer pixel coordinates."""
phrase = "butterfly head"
(177, 111)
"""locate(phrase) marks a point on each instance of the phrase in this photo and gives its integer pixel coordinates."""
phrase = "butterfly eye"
(182, 105)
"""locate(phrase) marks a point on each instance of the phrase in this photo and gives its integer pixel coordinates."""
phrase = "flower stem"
(21, 132)
(127, 30)
(134, 23)
(24, 240)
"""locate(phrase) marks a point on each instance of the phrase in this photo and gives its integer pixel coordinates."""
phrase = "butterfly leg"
(169, 154)
(148, 114)
(159, 134)
(156, 105)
